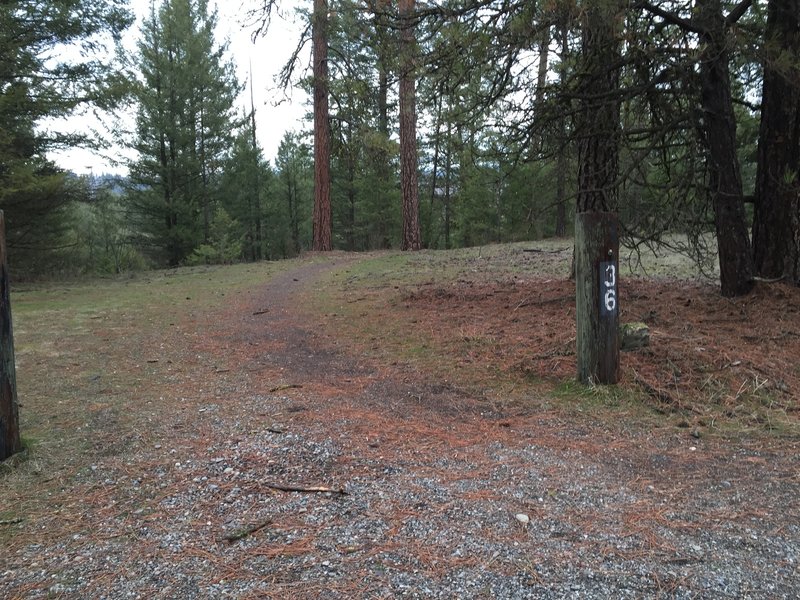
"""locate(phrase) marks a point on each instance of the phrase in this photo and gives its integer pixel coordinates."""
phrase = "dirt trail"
(645, 512)
(445, 495)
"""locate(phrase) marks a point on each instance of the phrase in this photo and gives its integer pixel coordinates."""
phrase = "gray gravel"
(433, 508)
(409, 526)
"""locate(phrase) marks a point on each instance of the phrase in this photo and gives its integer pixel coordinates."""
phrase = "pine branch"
(672, 18)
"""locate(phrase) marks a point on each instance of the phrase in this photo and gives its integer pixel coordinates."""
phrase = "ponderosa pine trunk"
(408, 129)
(776, 229)
(719, 128)
(596, 259)
(322, 227)
(598, 127)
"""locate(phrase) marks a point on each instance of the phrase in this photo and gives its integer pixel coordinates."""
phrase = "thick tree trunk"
(10, 442)
(598, 126)
(596, 298)
(776, 235)
(408, 129)
(322, 234)
(719, 124)
(596, 230)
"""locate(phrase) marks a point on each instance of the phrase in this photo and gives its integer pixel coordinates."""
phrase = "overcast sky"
(275, 113)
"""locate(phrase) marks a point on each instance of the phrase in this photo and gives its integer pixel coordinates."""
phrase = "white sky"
(275, 113)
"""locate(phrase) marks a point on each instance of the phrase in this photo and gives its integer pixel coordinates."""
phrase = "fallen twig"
(306, 490)
(528, 302)
(246, 531)
(545, 251)
(11, 521)
(287, 386)
(261, 312)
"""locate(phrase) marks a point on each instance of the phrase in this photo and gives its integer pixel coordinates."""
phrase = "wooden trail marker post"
(9, 414)
(597, 297)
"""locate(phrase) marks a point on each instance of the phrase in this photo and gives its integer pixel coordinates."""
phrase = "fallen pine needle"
(244, 532)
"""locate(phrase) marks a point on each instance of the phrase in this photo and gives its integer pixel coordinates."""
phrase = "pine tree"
(39, 79)
(776, 226)
(245, 183)
(323, 235)
(185, 118)
(293, 198)
(409, 161)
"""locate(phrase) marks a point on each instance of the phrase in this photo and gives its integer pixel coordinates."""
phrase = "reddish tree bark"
(322, 234)
(408, 129)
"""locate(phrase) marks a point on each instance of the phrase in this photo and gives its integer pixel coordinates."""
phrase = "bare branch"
(738, 12)
(671, 18)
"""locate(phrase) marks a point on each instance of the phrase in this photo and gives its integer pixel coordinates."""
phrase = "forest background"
(446, 124)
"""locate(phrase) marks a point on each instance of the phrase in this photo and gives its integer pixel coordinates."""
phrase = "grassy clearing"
(92, 355)
(368, 303)
(374, 303)
(96, 359)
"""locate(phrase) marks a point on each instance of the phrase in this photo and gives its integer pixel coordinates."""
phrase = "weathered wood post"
(9, 415)
(596, 296)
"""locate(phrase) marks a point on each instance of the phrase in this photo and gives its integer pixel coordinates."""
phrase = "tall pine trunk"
(719, 128)
(776, 230)
(598, 125)
(408, 129)
(596, 230)
(322, 235)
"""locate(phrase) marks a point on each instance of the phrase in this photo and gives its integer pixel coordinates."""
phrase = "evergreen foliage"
(53, 61)
(186, 92)
(289, 229)
(525, 111)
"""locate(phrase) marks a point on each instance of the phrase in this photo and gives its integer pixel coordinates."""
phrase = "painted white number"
(611, 283)
(611, 274)
(611, 300)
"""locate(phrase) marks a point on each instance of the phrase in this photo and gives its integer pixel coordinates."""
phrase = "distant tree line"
(435, 124)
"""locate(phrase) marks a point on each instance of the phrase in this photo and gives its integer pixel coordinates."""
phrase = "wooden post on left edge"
(9, 415)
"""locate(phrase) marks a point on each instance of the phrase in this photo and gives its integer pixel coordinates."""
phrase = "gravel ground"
(429, 494)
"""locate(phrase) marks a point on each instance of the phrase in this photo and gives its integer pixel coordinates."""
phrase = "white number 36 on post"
(608, 288)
